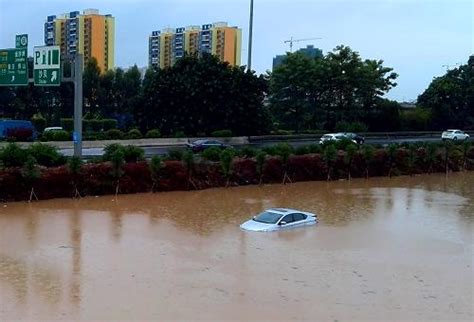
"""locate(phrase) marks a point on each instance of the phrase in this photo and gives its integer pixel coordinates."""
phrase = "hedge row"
(99, 179)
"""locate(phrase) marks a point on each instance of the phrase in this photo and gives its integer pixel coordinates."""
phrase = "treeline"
(200, 95)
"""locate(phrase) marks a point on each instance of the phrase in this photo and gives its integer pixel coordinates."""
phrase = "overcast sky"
(415, 37)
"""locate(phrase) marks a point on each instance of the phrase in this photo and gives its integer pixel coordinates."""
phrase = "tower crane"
(291, 41)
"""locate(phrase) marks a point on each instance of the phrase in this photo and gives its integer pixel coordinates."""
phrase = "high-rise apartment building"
(168, 45)
(310, 51)
(89, 33)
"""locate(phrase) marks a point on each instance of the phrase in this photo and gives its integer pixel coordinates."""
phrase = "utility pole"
(77, 136)
(249, 62)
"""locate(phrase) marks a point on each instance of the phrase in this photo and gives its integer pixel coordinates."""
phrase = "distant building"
(310, 51)
(89, 33)
(165, 47)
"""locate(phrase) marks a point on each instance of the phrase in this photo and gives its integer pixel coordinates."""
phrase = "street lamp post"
(249, 62)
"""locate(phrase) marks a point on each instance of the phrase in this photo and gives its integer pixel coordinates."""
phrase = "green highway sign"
(47, 66)
(13, 67)
(21, 41)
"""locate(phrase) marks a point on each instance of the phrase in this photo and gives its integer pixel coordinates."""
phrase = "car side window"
(287, 219)
(298, 217)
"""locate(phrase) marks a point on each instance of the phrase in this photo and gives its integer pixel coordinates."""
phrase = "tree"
(202, 95)
(450, 98)
(368, 153)
(117, 160)
(91, 85)
(391, 151)
(260, 159)
(329, 156)
(31, 173)
(339, 87)
(156, 165)
(188, 161)
(351, 150)
(226, 159)
(430, 156)
(74, 166)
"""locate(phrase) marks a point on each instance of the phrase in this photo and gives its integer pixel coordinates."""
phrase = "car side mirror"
(282, 223)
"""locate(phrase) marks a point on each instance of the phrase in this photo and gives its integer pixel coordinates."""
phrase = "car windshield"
(327, 136)
(199, 142)
(268, 217)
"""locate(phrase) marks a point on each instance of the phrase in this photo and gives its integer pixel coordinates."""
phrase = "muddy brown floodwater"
(385, 249)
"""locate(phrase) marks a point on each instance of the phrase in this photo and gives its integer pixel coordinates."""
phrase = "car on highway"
(203, 144)
(454, 135)
(279, 218)
(52, 129)
(359, 139)
(332, 137)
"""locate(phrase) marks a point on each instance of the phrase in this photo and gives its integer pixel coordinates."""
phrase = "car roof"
(285, 211)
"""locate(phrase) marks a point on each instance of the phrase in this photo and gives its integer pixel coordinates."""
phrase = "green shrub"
(39, 122)
(153, 134)
(281, 132)
(222, 133)
(134, 134)
(110, 149)
(302, 150)
(343, 144)
(74, 165)
(211, 154)
(343, 126)
(67, 124)
(93, 136)
(175, 154)
(179, 134)
(56, 135)
(109, 124)
(226, 159)
(247, 152)
(315, 148)
(284, 150)
(46, 155)
(13, 155)
(132, 153)
(96, 125)
(114, 134)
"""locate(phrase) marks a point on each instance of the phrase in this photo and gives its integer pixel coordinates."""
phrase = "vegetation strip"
(41, 172)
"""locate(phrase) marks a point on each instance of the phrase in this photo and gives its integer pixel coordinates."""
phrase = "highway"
(162, 150)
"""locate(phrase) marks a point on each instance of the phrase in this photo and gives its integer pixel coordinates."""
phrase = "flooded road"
(384, 249)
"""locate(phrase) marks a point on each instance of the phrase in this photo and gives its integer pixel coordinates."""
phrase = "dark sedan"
(201, 145)
(359, 139)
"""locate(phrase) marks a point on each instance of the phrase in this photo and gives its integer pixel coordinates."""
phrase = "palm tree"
(391, 151)
(351, 150)
(260, 159)
(188, 161)
(226, 159)
(74, 166)
(117, 160)
(31, 173)
(329, 156)
(466, 147)
(430, 156)
(284, 150)
(368, 153)
(448, 146)
(155, 166)
(412, 157)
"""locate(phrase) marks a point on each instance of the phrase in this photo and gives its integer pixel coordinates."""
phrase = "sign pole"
(77, 136)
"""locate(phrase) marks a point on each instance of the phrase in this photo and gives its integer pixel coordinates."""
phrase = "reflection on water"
(400, 246)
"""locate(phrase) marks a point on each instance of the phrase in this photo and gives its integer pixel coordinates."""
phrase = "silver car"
(279, 218)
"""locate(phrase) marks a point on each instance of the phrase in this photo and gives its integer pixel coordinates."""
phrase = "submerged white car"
(279, 218)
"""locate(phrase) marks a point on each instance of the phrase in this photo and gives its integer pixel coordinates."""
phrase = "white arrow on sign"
(54, 76)
(13, 79)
